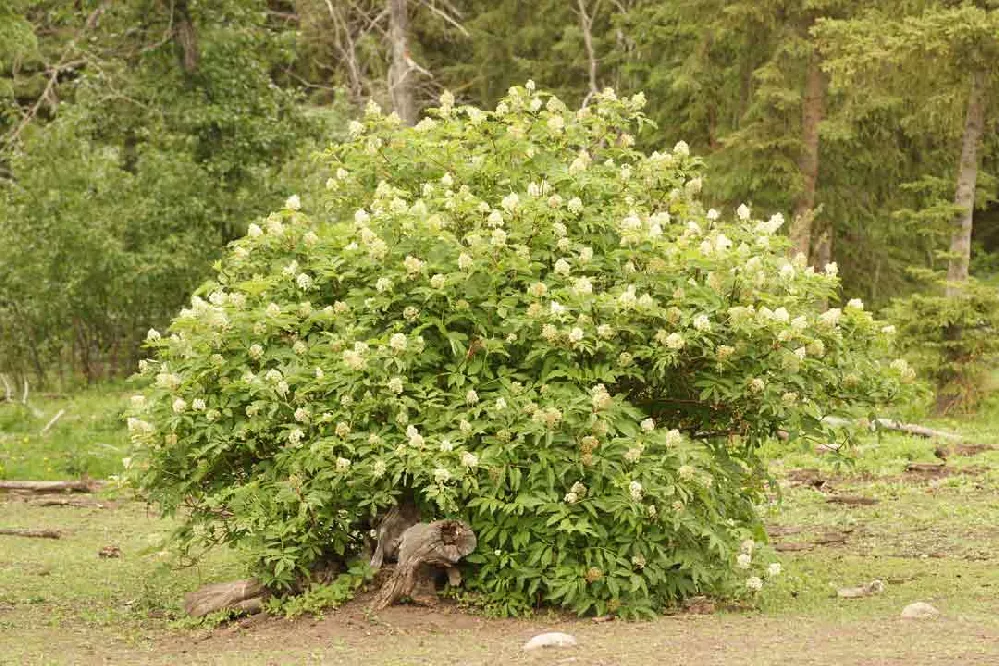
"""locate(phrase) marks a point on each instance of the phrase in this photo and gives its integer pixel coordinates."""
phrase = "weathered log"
(425, 546)
(866, 590)
(57, 501)
(241, 595)
(852, 500)
(395, 523)
(34, 534)
(51, 486)
(891, 424)
(926, 468)
(946, 450)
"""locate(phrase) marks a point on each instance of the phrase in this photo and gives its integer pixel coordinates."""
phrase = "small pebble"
(551, 639)
(918, 610)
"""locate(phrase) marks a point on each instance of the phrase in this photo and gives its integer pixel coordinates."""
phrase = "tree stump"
(425, 547)
(242, 595)
(399, 519)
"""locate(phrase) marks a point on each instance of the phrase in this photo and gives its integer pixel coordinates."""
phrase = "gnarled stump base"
(425, 547)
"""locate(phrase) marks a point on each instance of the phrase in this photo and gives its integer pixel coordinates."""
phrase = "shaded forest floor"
(932, 534)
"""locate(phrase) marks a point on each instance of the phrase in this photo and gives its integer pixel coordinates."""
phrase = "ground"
(932, 535)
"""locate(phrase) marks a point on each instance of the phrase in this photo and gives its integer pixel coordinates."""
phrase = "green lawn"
(89, 439)
(932, 538)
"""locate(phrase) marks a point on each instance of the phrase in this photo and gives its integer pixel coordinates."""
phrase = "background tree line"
(139, 136)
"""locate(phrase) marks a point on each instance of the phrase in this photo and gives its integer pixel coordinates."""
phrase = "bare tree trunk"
(964, 195)
(812, 112)
(586, 24)
(400, 79)
(185, 36)
(345, 43)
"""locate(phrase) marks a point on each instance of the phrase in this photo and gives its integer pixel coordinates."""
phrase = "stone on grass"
(551, 639)
(919, 610)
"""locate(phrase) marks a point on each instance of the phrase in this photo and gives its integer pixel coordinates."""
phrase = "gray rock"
(919, 610)
(550, 639)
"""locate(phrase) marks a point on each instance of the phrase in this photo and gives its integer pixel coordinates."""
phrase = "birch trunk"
(400, 73)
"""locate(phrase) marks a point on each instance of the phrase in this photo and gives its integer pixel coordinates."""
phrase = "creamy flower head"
(675, 341)
(399, 342)
(831, 316)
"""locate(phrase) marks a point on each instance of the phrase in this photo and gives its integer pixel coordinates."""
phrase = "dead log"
(425, 547)
(852, 500)
(51, 486)
(34, 534)
(891, 424)
(56, 501)
(395, 523)
(244, 595)
(945, 451)
(926, 468)
(866, 590)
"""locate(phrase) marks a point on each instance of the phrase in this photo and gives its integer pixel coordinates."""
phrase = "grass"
(88, 440)
(928, 539)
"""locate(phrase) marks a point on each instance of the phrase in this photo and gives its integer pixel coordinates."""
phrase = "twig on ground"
(34, 534)
(53, 420)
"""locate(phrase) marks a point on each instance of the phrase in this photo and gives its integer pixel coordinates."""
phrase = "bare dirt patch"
(412, 635)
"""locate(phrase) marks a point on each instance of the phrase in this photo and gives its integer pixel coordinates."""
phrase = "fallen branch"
(852, 500)
(425, 546)
(866, 590)
(925, 468)
(53, 420)
(891, 424)
(69, 502)
(34, 534)
(50, 486)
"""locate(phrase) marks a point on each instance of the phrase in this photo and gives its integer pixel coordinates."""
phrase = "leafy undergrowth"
(930, 537)
(88, 440)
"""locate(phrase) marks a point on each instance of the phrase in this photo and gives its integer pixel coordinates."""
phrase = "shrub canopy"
(527, 324)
